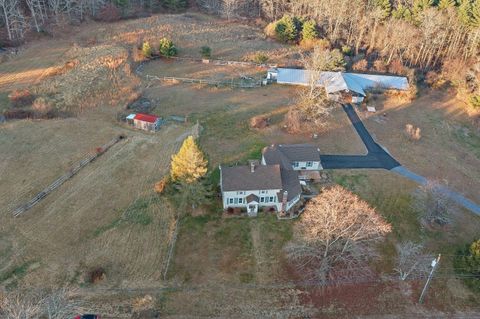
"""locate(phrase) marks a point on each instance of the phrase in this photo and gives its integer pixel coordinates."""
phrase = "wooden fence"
(139, 69)
(62, 179)
(245, 84)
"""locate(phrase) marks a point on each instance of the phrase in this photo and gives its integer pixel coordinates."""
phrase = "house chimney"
(252, 166)
(284, 201)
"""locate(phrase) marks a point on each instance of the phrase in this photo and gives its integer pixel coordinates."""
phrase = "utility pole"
(434, 266)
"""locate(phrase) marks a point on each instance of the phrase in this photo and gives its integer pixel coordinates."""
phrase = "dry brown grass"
(448, 146)
(31, 64)
(76, 227)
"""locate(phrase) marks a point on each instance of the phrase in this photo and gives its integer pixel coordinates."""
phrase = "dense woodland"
(419, 34)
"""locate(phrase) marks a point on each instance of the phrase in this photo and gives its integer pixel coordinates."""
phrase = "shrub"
(42, 104)
(396, 67)
(467, 264)
(380, 66)
(261, 58)
(21, 98)
(206, 52)
(347, 50)
(270, 30)
(286, 29)
(96, 275)
(475, 101)
(167, 48)
(161, 185)
(147, 49)
(360, 65)
(309, 31)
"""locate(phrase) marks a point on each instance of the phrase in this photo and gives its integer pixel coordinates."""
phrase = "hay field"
(103, 217)
(31, 64)
(449, 149)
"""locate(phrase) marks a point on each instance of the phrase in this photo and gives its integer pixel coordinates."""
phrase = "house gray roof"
(239, 178)
(285, 154)
(290, 184)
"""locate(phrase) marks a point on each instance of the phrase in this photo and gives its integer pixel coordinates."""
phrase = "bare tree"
(229, 7)
(333, 239)
(21, 305)
(433, 203)
(34, 304)
(410, 260)
(13, 18)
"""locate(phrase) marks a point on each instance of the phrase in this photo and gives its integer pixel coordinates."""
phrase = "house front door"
(252, 209)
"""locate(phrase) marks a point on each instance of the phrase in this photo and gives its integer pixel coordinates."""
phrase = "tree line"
(420, 33)
(17, 17)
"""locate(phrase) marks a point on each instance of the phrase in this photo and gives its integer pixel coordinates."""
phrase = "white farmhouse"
(273, 184)
(254, 186)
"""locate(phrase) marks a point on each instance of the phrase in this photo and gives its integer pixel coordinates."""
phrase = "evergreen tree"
(445, 4)
(190, 195)
(386, 7)
(475, 21)
(309, 31)
(286, 29)
(419, 6)
(465, 12)
(167, 48)
(189, 164)
(146, 49)
(403, 13)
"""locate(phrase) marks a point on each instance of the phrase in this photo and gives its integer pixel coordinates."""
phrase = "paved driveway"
(376, 156)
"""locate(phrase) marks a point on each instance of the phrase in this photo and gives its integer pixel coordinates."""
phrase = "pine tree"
(146, 49)
(445, 4)
(189, 164)
(386, 7)
(167, 48)
(309, 31)
(465, 12)
(419, 6)
(475, 21)
(286, 29)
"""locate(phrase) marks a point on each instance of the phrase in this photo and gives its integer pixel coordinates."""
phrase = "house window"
(272, 199)
(309, 164)
(262, 199)
(295, 164)
(240, 200)
(240, 193)
(263, 192)
(230, 200)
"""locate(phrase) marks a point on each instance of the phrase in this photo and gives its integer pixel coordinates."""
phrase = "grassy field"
(103, 217)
